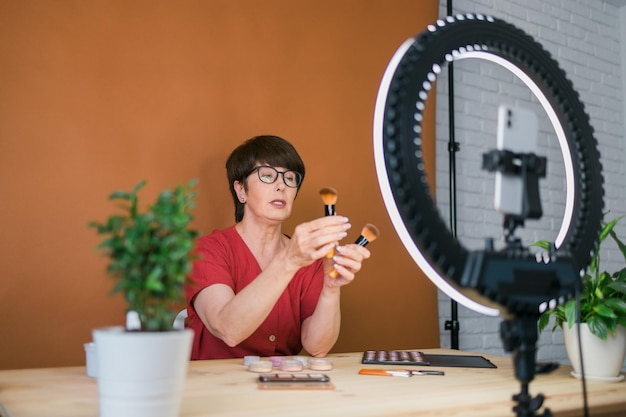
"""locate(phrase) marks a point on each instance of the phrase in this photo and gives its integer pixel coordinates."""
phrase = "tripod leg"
(519, 336)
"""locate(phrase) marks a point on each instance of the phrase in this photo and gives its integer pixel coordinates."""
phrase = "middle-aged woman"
(255, 290)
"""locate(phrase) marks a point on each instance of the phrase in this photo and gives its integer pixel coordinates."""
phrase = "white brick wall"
(585, 37)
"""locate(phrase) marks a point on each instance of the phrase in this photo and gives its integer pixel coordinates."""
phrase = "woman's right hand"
(313, 240)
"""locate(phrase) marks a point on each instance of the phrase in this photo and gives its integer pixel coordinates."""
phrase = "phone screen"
(517, 132)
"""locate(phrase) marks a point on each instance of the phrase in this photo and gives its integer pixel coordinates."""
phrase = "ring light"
(484, 281)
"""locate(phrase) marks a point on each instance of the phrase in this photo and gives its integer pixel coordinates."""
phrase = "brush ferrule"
(329, 210)
(362, 241)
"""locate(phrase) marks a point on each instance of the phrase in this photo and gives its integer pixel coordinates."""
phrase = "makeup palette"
(300, 381)
(394, 357)
(415, 357)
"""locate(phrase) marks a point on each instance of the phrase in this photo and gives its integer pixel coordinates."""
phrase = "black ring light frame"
(511, 282)
(398, 142)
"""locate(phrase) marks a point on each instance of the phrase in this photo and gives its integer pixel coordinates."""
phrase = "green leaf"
(619, 286)
(138, 187)
(570, 311)
(604, 311)
(620, 275)
(619, 243)
(153, 280)
(618, 305)
(544, 319)
(608, 228)
(598, 327)
(543, 244)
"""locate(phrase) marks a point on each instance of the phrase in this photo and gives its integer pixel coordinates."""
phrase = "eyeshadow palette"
(414, 357)
(394, 357)
(283, 380)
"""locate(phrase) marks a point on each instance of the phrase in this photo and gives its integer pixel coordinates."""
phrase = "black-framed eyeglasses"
(269, 175)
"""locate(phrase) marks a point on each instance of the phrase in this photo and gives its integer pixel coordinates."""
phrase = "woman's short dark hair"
(266, 149)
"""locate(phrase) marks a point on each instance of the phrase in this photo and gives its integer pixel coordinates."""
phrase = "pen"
(400, 372)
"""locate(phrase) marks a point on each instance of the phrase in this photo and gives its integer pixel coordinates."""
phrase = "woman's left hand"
(347, 261)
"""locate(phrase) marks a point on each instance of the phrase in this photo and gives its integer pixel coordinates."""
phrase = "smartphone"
(517, 132)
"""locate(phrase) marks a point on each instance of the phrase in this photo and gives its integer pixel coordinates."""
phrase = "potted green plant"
(142, 372)
(602, 314)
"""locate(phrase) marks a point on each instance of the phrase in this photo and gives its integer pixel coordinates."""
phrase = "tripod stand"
(519, 333)
(519, 336)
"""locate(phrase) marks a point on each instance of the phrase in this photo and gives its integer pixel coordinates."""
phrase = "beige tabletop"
(226, 388)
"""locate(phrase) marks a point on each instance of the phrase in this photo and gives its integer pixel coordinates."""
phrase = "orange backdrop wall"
(98, 95)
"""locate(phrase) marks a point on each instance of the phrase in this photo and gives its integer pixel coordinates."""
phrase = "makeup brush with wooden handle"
(369, 233)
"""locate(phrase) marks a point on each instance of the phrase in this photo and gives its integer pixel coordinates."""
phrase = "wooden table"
(226, 388)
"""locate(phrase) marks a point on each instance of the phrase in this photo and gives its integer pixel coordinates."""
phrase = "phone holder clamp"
(530, 168)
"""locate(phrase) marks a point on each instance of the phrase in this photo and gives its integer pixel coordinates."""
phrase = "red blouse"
(224, 258)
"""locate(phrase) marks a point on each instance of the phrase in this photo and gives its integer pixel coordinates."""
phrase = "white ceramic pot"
(141, 374)
(602, 359)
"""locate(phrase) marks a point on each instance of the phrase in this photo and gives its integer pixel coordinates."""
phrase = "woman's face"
(266, 201)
